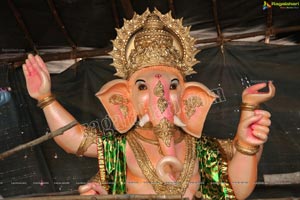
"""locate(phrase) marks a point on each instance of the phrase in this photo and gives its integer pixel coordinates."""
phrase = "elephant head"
(153, 53)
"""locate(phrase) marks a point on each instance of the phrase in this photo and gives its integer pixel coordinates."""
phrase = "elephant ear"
(115, 98)
(195, 104)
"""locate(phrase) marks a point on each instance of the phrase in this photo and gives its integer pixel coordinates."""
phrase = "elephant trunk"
(168, 168)
(162, 117)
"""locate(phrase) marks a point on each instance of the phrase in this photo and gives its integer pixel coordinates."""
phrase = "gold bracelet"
(250, 151)
(248, 107)
(46, 101)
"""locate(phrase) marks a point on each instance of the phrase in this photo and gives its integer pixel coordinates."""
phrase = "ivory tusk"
(144, 120)
(178, 122)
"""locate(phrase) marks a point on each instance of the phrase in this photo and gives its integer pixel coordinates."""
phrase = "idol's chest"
(143, 166)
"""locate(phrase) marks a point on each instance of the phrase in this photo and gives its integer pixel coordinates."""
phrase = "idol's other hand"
(254, 130)
(92, 188)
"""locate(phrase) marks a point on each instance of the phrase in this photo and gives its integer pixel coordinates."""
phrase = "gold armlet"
(248, 107)
(250, 151)
(226, 148)
(46, 101)
(89, 137)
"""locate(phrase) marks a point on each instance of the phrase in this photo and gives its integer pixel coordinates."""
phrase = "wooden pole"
(38, 140)
(22, 25)
(61, 24)
(172, 8)
(217, 23)
(115, 13)
(127, 9)
(107, 197)
(19, 60)
(252, 34)
(269, 23)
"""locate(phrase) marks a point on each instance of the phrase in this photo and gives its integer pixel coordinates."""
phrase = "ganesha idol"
(160, 117)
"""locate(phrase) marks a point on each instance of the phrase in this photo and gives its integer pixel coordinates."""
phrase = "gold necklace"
(155, 142)
(179, 187)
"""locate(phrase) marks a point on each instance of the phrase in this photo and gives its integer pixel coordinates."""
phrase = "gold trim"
(155, 142)
(226, 147)
(101, 164)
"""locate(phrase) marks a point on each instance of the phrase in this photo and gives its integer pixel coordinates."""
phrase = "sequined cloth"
(213, 170)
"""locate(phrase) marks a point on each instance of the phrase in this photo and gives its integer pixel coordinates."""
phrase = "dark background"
(226, 67)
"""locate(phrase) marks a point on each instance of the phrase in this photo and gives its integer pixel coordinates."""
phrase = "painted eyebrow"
(175, 79)
(139, 81)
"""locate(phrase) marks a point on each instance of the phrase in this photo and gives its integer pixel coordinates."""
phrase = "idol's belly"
(140, 185)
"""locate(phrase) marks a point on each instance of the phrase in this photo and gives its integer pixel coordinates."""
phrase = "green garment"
(212, 167)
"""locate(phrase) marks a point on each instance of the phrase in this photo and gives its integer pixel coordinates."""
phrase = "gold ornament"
(153, 39)
(164, 131)
(191, 104)
(159, 90)
(162, 103)
(90, 135)
(117, 99)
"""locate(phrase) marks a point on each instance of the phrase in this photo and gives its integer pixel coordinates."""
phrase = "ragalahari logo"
(281, 5)
(266, 5)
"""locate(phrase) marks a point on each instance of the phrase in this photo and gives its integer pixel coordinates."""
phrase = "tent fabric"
(226, 70)
(91, 23)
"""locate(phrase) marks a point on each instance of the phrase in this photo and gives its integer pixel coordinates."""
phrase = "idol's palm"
(37, 77)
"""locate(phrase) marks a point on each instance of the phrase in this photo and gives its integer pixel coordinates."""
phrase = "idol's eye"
(174, 84)
(141, 84)
(142, 87)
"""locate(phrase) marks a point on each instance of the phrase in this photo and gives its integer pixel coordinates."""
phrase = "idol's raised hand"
(37, 77)
(253, 96)
(254, 124)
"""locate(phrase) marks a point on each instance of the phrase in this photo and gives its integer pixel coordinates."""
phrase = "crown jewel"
(153, 39)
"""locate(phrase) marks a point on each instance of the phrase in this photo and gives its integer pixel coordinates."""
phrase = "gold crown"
(153, 39)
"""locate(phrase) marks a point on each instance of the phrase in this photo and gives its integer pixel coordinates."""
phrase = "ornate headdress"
(153, 39)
